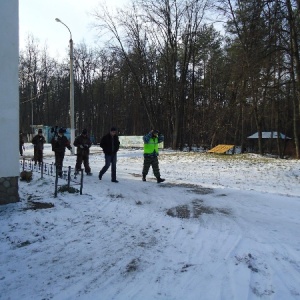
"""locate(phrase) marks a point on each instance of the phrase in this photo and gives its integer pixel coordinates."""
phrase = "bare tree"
(173, 26)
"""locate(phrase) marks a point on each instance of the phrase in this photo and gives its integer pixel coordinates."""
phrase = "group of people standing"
(109, 143)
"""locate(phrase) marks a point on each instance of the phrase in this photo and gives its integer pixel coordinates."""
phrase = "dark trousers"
(151, 161)
(85, 159)
(110, 159)
(38, 156)
(59, 158)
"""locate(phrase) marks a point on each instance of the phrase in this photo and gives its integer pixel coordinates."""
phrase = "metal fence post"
(56, 181)
(81, 181)
(42, 169)
(52, 170)
(69, 176)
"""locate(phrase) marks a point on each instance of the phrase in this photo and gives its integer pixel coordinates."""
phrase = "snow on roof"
(269, 135)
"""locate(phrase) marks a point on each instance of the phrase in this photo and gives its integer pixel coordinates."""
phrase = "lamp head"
(57, 20)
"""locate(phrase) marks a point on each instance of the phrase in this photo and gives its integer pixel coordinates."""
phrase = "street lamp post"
(72, 128)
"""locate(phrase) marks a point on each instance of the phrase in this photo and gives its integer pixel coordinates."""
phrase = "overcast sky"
(37, 17)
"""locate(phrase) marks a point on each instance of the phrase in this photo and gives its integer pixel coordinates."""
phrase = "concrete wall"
(9, 100)
(134, 141)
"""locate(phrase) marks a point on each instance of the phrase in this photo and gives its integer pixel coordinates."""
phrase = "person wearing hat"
(83, 144)
(151, 141)
(110, 144)
(59, 144)
(38, 142)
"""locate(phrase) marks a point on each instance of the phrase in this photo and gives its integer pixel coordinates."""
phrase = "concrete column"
(9, 99)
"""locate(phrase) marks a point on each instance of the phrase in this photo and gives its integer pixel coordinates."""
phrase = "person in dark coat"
(21, 143)
(83, 144)
(110, 144)
(38, 146)
(59, 145)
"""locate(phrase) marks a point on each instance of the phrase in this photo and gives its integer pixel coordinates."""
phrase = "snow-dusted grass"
(220, 227)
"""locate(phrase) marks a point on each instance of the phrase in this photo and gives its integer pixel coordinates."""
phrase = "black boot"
(100, 176)
(159, 180)
(144, 177)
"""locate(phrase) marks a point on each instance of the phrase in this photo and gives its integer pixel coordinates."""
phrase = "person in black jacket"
(110, 144)
(83, 144)
(38, 145)
(59, 145)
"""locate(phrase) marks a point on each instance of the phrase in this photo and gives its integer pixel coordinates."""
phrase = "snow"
(219, 227)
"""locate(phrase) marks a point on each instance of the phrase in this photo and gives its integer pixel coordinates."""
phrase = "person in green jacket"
(151, 141)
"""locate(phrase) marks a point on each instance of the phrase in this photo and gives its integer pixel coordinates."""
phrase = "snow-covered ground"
(219, 227)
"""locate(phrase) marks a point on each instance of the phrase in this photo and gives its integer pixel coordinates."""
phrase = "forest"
(202, 72)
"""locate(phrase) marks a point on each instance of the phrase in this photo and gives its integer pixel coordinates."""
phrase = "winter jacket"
(151, 144)
(38, 142)
(83, 144)
(110, 144)
(60, 143)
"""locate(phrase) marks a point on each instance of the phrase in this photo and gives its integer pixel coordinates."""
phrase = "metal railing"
(68, 174)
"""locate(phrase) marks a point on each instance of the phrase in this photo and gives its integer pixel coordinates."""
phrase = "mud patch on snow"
(193, 188)
(116, 196)
(150, 242)
(249, 260)
(136, 175)
(186, 267)
(193, 210)
(34, 205)
(132, 266)
(23, 244)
